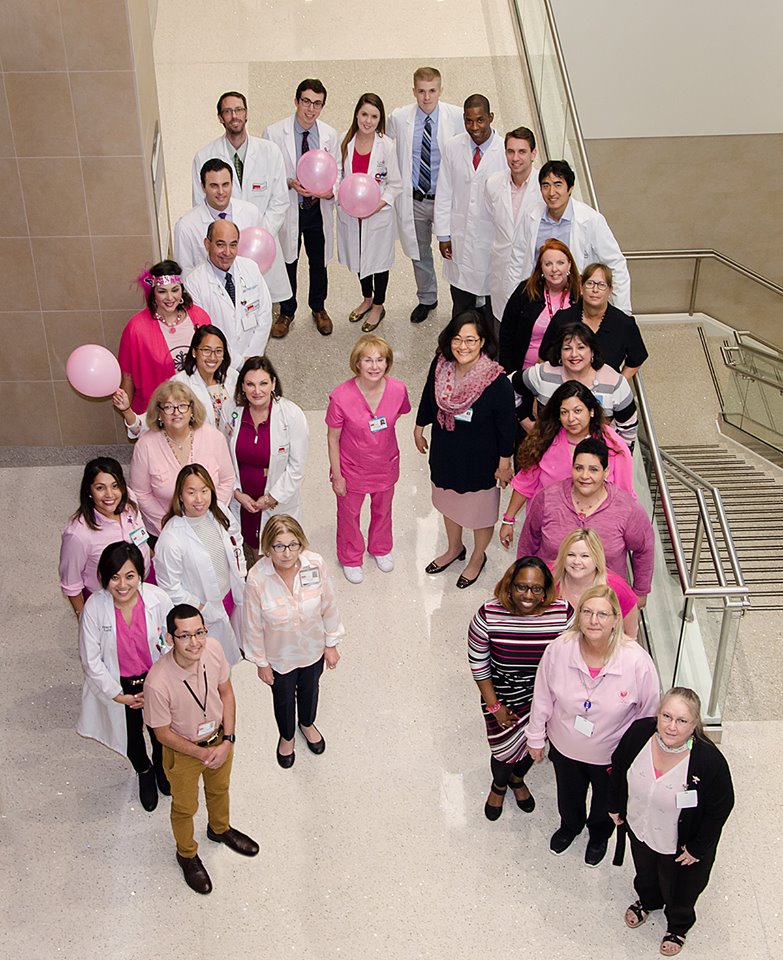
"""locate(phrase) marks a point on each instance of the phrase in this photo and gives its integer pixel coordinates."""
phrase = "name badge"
(378, 423)
(686, 799)
(584, 726)
(309, 576)
(258, 187)
(206, 729)
(249, 316)
(139, 536)
(466, 417)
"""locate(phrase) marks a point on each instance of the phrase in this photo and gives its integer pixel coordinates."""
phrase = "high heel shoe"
(434, 568)
(464, 582)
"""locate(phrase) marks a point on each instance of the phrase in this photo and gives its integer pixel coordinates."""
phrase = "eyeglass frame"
(294, 547)
(170, 407)
(199, 634)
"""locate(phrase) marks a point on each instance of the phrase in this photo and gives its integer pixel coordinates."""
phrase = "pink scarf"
(454, 398)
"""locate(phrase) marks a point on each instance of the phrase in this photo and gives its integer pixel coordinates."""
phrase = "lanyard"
(203, 706)
(548, 301)
(589, 692)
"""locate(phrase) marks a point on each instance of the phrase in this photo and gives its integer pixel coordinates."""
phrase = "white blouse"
(652, 801)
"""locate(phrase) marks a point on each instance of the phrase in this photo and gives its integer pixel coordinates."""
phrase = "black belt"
(418, 195)
(307, 202)
(213, 739)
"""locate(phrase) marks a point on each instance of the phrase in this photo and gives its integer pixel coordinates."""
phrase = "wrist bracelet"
(509, 519)
(494, 707)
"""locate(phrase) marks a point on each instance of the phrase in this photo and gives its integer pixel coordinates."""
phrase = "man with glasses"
(581, 228)
(258, 172)
(309, 216)
(190, 704)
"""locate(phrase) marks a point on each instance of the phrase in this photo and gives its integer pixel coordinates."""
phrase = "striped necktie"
(231, 290)
(425, 173)
(239, 167)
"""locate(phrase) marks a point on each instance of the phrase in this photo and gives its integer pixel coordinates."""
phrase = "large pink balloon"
(359, 195)
(317, 171)
(258, 244)
(93, 371)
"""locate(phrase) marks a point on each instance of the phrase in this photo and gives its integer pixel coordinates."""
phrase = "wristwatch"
(229, 738)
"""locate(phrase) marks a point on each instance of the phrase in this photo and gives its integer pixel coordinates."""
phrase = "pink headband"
(146, 279)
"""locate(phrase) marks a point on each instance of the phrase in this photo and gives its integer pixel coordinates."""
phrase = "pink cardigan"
(144, 354)
(154, 469)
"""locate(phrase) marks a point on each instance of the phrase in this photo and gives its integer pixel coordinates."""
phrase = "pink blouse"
(133, 648)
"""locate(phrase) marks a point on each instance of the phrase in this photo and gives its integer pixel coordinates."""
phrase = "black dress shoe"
(528, 805)
(195, 873)
(595, 852)
(317, 747)
(162, 781)
(434, 568)
(148, 792)
(561, 841)
(463, 582)
(285, 762)
(491, 812)
(234, 840)
(421, 310)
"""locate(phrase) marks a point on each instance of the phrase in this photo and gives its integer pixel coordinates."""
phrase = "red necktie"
(477, 158)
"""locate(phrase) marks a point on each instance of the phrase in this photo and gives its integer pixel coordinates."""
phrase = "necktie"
(476, 158)
(222, 216)
(231, 290)
(306, 201)
(239, 167)
(425, 174)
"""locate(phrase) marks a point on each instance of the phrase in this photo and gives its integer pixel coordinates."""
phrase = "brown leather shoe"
(323, 322)
(196, 876)
(281, 325)
(234, 840)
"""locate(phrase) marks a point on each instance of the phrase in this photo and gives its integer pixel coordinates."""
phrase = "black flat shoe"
(434, 568)
(148, 791)
(463, 582)
(285, 762)
(492, 812)
(318, 747)
(528, 805)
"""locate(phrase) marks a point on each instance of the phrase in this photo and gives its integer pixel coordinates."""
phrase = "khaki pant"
(184, 773)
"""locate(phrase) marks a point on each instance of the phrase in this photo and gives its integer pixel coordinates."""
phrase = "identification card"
(206, 729)
(584, 726)
(378, 423)
(250, 315)
(687, 799)
(139, 536)
(309, 576)
(466, 417)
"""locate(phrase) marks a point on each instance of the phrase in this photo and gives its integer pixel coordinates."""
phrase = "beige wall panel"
(118, 261)
(54, 197)
(41, 114)
(13, 221)
(96, 34)
(116, 198)
(29, 415)
(31, 36)
(16, 261)
(66, 276)
(105, 108)
(23, 355)
(67, 330)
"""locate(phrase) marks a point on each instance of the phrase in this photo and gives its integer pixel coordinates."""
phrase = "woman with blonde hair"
(591, 684)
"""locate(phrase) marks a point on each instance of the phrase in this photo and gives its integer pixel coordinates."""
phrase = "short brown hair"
(275, 526)
(426, 73)
(592, 268)
(364, 344)
(176, 391)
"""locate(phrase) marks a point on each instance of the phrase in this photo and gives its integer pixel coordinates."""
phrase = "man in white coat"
(462, 222)
(583, 229)
(421, 131)
(259, 176)
(309, 217)
(216, 204)
(509, 195)
(233, 293)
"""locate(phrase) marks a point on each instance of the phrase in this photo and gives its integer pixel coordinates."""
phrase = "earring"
(192, 420)
(160, 423)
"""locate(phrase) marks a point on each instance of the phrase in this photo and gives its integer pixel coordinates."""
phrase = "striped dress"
(507, 649)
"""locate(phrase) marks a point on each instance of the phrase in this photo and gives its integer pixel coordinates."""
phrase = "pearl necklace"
(681, 749)
(171, 327)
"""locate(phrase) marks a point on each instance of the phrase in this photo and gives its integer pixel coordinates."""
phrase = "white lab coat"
(191, 229)
(101, 717)
(228, 411)
(505, 256)
(400, 127)
(184, 569)
(461, 211)
(264, 184)
(282, 134)
(376, 252)
(288, 443)
(247, 323)
(591, 241)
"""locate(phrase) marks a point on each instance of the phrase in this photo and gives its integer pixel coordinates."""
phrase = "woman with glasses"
(199, 558)
(470, 403)
(177, 435)
(291, 628)
(617, 334)
(591, 684)
(506, 640)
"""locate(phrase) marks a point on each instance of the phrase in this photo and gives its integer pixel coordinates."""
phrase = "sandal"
(529, 803)
(674, 941)
(491, 812)
(636, 915)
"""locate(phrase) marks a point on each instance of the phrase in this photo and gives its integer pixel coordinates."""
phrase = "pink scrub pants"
(350, 542)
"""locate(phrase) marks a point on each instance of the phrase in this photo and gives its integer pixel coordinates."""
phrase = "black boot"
(148, 792)
(162, 780)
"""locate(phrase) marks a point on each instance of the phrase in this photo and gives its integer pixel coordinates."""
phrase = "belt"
(307, 202)
(213, 739)
(418, 195)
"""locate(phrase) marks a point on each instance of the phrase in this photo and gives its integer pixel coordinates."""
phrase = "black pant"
(311, 229)
(573, 778)
(296, 693)
(375, 286)
(134, 724)
(661, 882)
(503, 772)
(461, 301)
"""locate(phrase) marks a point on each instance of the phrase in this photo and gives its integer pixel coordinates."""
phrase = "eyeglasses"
(294, 547)
(239, 111)
(311, 103)
(601, 615)
(466, 341)
(211, 352)
(198, 635)
(174, 407)
(596, 284)
(536, 589)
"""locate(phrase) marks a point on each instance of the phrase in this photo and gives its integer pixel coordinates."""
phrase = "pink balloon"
(359, 195)
(317, 171)
(257, 244)
(93, 371)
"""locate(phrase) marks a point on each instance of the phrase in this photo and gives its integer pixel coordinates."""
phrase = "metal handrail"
(746, 371)
(706, 254)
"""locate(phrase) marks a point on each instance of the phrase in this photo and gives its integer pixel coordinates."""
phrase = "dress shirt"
(218, 214)
(550, 229)
(652, 800)
(313, 139)
(418, 133)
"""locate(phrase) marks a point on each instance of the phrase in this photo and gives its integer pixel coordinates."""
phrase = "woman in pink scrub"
(363, 454)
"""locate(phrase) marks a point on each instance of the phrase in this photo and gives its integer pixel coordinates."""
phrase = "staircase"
(753, 501)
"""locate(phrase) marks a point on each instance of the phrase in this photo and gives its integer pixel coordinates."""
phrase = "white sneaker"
(353, 574)
(385, 563)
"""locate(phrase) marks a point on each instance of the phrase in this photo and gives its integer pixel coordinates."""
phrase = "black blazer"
(516, 328)
(699, 828)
